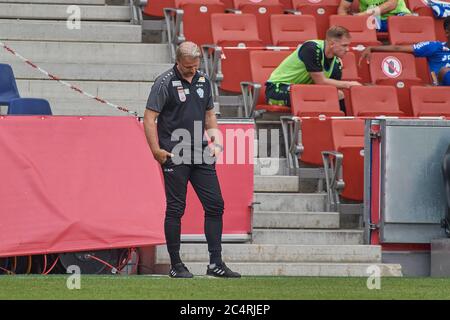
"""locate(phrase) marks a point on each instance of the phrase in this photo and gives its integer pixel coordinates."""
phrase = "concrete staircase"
(105, 57)
(292, 236)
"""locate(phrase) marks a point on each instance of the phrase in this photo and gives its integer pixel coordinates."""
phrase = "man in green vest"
(378, 9)
(314, 62)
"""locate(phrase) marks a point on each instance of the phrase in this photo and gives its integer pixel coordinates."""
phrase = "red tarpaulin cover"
(91, 183)
(77, 183)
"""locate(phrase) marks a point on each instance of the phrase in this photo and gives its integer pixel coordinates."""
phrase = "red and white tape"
(53, 77)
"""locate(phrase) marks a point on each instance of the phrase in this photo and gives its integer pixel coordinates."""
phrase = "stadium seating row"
(369, 101)
(198, 12)
(397, 70)
(241, 31)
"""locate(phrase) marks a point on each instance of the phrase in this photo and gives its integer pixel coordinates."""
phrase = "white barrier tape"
(53, 77)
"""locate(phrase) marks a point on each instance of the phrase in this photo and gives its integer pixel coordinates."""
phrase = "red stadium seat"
(262, 63)
(314, 100)
(349, 73)
(362, 36)
(396, 69)
(154, 8)
(235, 30)
(321, 9)
(419, 7)
(198, 12)
(262, 11)
(355, 6)
(316, 137)
(287, 4)
(350, 68)
(410, 30)
(342, 135)
(430, 101)
(374, 101)
(358, 28)
(228, 4)
(348, 139)
(291, 30)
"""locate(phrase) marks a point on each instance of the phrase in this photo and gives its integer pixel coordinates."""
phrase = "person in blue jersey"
(437, 54)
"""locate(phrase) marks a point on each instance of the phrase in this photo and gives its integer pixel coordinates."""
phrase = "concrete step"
(296, 220)
(67, 2)
(58, 31)
(290, 202)
(105, 89)
(92, 71)
(90, 107)
(59, 12)
(276, 184)
(82, 52)
(65, 101)
(270, 166)
(316, 237)
(276, 253)
(296, 269)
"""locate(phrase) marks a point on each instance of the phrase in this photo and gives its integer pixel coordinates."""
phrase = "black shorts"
(278, 94)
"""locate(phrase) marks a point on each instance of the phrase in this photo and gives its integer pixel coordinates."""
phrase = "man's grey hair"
(188, 49)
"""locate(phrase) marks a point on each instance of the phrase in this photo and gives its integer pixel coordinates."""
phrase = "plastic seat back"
(375, 101)
(8, 86)
(29, 106)
(322, 10)
(410, 29)
(199, 12)
(430, 101)
(359, 30)
(235, 30)
(262, 11)
(292, 30)
(315, 100)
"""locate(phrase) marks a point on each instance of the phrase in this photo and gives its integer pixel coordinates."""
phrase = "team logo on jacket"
(200, 92)
(181, 94)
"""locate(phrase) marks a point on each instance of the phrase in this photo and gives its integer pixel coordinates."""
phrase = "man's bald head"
(188, 59)
(188, 50)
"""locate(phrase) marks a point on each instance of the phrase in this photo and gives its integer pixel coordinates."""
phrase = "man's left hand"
(215, 149)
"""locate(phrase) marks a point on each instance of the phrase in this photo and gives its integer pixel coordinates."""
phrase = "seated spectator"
(379, 9)
(436, 52)
(314, 62)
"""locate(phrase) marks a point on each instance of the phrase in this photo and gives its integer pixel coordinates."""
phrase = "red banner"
(90, 183)
(235, 173)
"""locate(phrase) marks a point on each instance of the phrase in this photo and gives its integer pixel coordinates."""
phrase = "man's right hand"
(162, 155)
(365, 55)
(352, 83)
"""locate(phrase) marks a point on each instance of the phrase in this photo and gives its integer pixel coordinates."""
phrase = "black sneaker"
(221, 271)
(179, 270)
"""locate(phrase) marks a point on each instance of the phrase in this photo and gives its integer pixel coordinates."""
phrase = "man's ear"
(331, 42)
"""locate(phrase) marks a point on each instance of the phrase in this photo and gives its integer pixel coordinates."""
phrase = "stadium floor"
(206, 288)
